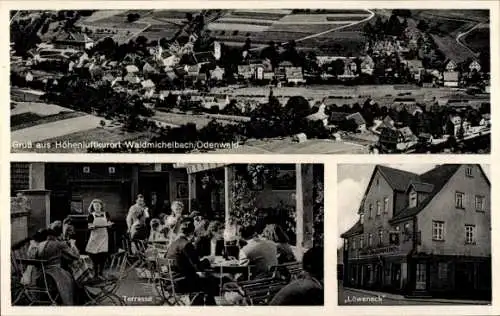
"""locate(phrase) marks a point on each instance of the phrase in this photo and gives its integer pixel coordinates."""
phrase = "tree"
(132, 17)
(189, 17)
(423, 25)
(393, 26)
(141, 41)
(297, 107)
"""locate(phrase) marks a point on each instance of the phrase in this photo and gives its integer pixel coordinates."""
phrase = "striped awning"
(198, 167)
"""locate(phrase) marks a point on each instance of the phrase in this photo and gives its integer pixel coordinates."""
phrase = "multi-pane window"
(353, 244)
(413, 199)
(470, 234)
(380, 236)
(386, 205)
(468, 171)
(479, 203)
(459, 199)
(379, 209)
(361, 242)
(370, 240)
(437, 230)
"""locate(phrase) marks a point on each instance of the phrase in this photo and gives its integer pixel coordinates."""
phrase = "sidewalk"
(435, 300)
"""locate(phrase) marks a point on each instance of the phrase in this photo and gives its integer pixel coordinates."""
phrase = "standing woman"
(97, 245)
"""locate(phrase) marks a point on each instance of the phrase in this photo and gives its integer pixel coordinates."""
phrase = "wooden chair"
(287, 271)
(256, 292)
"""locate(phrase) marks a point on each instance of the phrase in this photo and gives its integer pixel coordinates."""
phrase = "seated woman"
(276, 234)
(211, 243)
(56, 252)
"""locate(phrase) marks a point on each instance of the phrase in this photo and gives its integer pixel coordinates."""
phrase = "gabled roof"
(421, 186)
(437, 177)
(356, 229)
(338, 116)
(397, 179)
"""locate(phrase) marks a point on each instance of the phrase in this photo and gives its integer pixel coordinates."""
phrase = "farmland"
(478, 39)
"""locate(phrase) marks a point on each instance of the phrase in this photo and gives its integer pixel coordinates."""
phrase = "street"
(355, 297)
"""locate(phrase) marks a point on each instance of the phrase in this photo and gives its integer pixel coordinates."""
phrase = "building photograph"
(150, 234)
(414, 234)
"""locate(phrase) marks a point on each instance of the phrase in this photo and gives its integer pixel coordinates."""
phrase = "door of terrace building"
(421, 277)
(210, 194)
(156, 190)
(464, 276)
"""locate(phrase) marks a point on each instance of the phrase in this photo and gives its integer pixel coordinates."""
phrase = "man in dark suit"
(187, 265)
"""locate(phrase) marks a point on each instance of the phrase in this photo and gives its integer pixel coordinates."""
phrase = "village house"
(425, 234)
(474, 66)
(246, 72)
(74, 40)
(350, 69)
(367, 65)
(396, 139)
(425, 138)
(454, 124)
(415, 68)
(359, 120)
(217, 73)
(485, 120)
(450, 75)
(294, 75)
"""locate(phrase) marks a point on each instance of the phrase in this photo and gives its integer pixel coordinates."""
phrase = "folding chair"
(39, 291)
(103, 292)
(167, 285)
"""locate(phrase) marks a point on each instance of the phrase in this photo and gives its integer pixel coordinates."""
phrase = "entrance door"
(464, 276)
(396, 275)
(155, 188)
(421, 271)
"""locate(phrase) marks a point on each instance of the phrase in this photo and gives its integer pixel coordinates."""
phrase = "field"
(338, 43)
(463, 15)
(452, 49)
(29, 119)
(478, 40)
(263, 26)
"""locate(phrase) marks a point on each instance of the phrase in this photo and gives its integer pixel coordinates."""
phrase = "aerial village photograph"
(414, 234)
(290, 81)
(166, 234)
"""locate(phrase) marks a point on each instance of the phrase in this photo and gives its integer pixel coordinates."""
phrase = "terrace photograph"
(414, 234)
(250, 81)
(166, 234)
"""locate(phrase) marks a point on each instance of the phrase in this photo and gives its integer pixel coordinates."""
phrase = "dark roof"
(357, 117)
(421, 187)
(204, 57)
(338, 116)
(397, 179)
(437, 177)
(356, 229)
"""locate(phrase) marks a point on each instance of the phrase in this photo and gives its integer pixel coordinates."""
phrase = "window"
(370, 240)
(378, 182)
(370, 210)
(361, 242)
(397, 228)
(468, 171)
(443, 271)
(346, 244)
(86, 169)
(413, 199)
(362, 218)
(437, 230)
(380, 237)
(111, 170)
(353, 244)
(386, 205)
(470, 232)
(379, 210)
(479, 203)
(459, 200)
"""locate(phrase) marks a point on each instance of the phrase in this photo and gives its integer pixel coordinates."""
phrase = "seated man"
(307, 290)
(187, 264)
(259, 253)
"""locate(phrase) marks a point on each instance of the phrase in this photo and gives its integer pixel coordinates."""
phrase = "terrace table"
(221, 267)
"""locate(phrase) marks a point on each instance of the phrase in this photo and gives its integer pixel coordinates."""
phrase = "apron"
(98, 240)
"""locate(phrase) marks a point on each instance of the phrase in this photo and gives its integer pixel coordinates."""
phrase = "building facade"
(423, 235)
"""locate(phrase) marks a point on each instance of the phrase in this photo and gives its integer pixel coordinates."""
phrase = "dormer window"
(413, 199)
